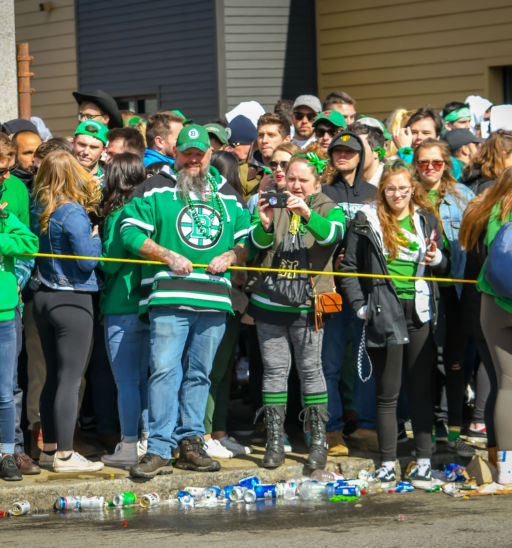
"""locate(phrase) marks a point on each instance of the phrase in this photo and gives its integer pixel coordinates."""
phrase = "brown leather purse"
(326, 303)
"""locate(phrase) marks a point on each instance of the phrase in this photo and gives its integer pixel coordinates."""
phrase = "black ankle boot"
(273, 417)
(317, 417)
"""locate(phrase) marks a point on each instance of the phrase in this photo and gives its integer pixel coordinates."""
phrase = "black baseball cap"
(459, 137)
(345, 139)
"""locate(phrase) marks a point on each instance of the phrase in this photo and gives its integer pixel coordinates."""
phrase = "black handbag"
(285, 287)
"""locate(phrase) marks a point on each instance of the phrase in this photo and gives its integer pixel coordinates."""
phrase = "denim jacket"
(451, 211)
(69, 233)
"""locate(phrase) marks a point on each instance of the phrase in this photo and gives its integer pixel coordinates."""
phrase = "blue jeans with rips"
(127, 342)
(8, 365)
(183, 344)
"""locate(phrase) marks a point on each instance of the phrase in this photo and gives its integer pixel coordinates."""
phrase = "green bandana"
(455, 115)
(380, 151)
(399, 163)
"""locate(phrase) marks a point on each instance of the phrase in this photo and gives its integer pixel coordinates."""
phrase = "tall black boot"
(317, 417)
(273, 418)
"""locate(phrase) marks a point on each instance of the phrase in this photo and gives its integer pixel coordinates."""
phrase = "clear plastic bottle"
(324, 476)
(310, 490)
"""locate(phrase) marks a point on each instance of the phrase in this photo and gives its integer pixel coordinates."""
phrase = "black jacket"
(351, 198)
(472, 177)
(385, 321)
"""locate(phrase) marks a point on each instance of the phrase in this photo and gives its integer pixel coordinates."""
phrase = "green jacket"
(482, 284)
(159, 212)
(15, 239)
(15, 193)
(121, 292)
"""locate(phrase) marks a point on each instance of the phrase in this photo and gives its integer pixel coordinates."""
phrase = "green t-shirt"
(405, 289)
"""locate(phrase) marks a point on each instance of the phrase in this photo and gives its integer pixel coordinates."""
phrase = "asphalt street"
(405, 519)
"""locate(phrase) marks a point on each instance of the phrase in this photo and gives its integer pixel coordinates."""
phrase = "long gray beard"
(191, 183)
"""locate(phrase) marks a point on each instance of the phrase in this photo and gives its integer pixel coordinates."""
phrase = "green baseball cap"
(185, 119)
(193, 136)
(94, 129)
(218, 131)
(333, 116)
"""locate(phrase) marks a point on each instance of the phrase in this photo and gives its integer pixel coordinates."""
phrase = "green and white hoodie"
(15, 240)
(159, 212)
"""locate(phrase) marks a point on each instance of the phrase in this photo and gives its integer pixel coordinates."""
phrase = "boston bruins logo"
(202, 237)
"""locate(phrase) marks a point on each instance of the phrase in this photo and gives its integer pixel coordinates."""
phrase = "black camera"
(276, 199)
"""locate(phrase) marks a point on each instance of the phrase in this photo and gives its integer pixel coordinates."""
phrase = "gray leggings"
(497, 328)
(276, 344)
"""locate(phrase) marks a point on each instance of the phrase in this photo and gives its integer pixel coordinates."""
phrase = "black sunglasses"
(321, 131)
(300, 115)
(7, 169)
(283, 164)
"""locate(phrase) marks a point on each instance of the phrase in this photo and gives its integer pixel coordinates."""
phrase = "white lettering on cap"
(193, 133)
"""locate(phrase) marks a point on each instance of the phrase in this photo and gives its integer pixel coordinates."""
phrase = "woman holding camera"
(310, 217)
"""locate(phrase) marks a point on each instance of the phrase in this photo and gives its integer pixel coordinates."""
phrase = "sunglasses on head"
(7, 169)
(436, 164)
(283, 164)
(321, 131)
(300, 115)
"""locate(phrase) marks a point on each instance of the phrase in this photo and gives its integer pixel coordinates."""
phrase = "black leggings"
(453, 354)
(64, 320)
(418, 358)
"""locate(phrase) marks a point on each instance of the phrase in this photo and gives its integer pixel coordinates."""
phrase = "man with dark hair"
(99, 106)
(350, 191)
(373, 141)
(342, 102)
(305, 109)
(284, 107)
(55, 143)
(182, 218)
(26, 138)
(162, 130)
(272, 130)
(124, 139)
(456, 115)
(463, 145)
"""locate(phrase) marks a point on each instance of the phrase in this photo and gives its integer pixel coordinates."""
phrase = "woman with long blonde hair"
(433, 167)
(64, 195)
(399, 235)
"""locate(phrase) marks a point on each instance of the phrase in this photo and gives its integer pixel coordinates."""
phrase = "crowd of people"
(141, 256)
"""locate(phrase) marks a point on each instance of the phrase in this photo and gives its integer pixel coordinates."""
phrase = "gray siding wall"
(167, 47)
(267, 50)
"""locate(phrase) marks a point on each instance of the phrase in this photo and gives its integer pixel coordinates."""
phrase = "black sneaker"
(9, 470)
(386, 477)
(151, 465)
(194, 457)
(462, 448)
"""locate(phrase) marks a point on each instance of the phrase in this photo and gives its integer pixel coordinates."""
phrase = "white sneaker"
(142, 447)
(216, 450)
(125, 454)
(76, 463)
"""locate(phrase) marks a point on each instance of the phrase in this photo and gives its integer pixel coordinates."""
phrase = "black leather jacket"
(385, 321)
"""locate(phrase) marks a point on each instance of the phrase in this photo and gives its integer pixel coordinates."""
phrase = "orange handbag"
(326, 303)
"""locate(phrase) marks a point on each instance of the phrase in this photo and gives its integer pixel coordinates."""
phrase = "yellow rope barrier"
(256, 268)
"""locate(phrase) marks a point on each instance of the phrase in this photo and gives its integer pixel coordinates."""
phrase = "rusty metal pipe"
(24, 75)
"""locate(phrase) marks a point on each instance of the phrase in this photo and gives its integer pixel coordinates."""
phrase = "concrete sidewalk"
(42, 490)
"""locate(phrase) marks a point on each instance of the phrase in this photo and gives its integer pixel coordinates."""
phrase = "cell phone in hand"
(275, 199)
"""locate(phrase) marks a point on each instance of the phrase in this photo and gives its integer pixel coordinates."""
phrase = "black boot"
(273, 418)
(317, 417)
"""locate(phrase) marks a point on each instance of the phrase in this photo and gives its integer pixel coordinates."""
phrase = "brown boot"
(26, 465)
(492, 456)
(336, 443)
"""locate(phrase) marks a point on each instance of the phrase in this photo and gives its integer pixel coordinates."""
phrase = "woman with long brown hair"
(482, 221)
(64, 194)
(397, 234)
(433, 166)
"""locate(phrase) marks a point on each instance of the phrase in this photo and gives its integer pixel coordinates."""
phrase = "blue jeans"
(18, 392)
(8, 365)
(127, 342)
(337, 330)
(183, 344)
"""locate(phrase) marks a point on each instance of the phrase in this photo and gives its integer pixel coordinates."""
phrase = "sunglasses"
(320, 132)
(7, 169)
(301, 115)
(436, 164)
(283, 164)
